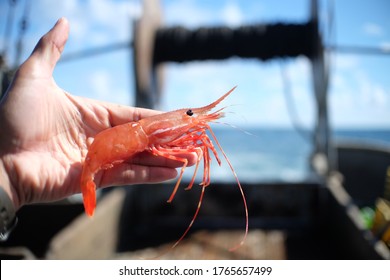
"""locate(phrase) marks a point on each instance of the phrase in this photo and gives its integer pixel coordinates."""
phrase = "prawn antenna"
(241, 191)
(237, 128)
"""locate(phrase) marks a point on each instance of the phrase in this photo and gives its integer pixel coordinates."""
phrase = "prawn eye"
(189, 112)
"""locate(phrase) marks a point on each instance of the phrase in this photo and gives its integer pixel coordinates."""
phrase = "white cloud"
(344, 62)
(373, 29)
(356, 99)
(102, 86)
(258, 99)
(192, 15)
(385, 46)
(91, 22)
(372, 95)
(186, 13)
(100, 83)
(300, 104)
(232, 14)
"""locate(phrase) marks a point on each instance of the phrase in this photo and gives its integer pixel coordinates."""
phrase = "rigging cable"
(5, 71)
(22, 30)
(290, 104)
(8, 26)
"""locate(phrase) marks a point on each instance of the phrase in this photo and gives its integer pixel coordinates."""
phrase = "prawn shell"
(110, 147)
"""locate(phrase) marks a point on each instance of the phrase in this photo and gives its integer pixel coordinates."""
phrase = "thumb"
(48, 50)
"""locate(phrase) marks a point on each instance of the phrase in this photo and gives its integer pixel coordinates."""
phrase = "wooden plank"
(148, 79)
(207, 245)
(90, 238)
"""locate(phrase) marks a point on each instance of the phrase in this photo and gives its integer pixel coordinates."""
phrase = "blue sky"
(359, 93)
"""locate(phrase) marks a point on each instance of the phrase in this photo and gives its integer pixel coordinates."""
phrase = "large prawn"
(167, 135)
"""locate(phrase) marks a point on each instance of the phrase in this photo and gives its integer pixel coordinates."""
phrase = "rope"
(261, 41)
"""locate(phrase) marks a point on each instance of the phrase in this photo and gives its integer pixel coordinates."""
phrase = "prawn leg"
(169, 153)
(199, 154)
(193, 219)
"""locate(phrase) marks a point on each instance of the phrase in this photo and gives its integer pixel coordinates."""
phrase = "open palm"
(45, 132)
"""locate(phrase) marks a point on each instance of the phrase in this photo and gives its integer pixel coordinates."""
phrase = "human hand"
(45, 133)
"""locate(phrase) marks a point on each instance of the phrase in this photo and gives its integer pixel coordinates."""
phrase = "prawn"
(167, 135)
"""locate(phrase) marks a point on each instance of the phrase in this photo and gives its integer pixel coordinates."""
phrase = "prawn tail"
(89, 197)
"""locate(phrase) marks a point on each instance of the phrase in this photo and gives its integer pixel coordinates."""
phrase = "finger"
(48, 50)
(120, 114)
(146, 158)
(115, 114)
(127, 174)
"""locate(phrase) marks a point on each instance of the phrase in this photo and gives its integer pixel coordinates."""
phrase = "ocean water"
(273, 154)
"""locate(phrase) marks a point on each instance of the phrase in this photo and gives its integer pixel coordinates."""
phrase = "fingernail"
(61, 20)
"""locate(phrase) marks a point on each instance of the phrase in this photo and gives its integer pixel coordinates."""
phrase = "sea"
(275, 154)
